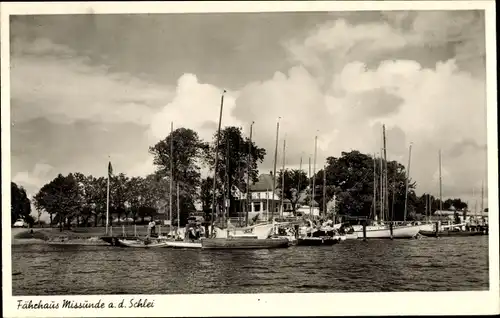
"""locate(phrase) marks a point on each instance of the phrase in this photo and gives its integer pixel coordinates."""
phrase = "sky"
(85, 88)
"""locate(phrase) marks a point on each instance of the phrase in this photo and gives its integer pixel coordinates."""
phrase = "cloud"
(196, 106)
(50, 80)
(421, 74)
(33, 180)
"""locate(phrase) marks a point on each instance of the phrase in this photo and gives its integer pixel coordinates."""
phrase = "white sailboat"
(379, 229)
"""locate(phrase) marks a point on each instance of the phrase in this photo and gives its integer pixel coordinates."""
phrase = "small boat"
(141, 243)
(315, 241)
(183, 244)
(244, 243)
(383, 231)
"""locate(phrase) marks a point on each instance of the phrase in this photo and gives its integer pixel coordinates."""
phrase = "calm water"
(429, 264)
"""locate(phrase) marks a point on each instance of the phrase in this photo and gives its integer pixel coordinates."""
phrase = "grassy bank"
(78, 235)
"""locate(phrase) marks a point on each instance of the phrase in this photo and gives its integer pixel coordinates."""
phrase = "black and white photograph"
(225, 151)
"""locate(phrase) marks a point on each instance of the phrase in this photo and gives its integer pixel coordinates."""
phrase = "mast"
(227, 202)
(300, 174)
(324, 190)
(386, 204)
(381, 216)
(374, 186)
(216, 161)
(393, 198)
(407, 181)
(249, 202)
(283, 178)
(178, 209)
(171, 171)
(273, 207)
(314, 168)
(482, 198)
(475, 202)
(310, 188)
(440, 185)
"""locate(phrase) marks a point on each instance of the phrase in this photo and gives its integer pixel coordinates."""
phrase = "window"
(256, 206)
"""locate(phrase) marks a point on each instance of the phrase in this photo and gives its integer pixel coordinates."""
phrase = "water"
(429, 264)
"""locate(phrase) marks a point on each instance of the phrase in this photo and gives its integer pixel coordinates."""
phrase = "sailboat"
(453, 229)
(238, 238)
(379, 228)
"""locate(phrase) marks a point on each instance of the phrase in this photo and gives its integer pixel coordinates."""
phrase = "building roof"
(265, 183)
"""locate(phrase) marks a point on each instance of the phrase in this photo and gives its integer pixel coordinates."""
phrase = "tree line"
(179, 158)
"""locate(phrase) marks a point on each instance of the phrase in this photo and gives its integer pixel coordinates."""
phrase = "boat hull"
(140, 244)
(384, 232)
(317, 241)
(451, 233)
(181, 244)
(244, 243)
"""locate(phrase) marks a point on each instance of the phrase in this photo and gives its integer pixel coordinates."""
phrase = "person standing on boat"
(151, 227)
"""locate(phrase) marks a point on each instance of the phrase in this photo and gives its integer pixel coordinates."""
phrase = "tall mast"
(386, 204)
(482, 197)
(227, 202)
(314, 167)
(249, 202)
(440, 185)
(178, 209)
(171, 171)
(310, 187)
(374, 186)
(274, 168)
(324, 190)
(283, 178)
(300, 174)
(475, 201)
(216, 161)
(407, 181)
(381, 216)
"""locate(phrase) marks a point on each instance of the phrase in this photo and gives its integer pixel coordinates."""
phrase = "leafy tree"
(351, 178)
(62, 197)
(189, 151)
(295, 181)
(233, 161)
(20, 206)
(206, 194)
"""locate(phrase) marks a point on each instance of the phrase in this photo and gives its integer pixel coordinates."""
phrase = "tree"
(206, 194)
(233, 152)
(188, 153)
(351, 178)
(20, 205)
(62, 197)
(295, 181)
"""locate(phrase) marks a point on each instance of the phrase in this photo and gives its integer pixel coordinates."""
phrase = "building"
(262, 198)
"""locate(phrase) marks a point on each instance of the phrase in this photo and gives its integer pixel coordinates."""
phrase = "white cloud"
(195, 105)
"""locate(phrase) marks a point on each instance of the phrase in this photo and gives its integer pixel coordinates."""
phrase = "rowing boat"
(141, 243)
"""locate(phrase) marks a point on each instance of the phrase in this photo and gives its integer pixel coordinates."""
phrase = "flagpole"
(107, 199)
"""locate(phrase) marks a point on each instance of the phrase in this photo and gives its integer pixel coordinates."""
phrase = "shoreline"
(50, 237)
